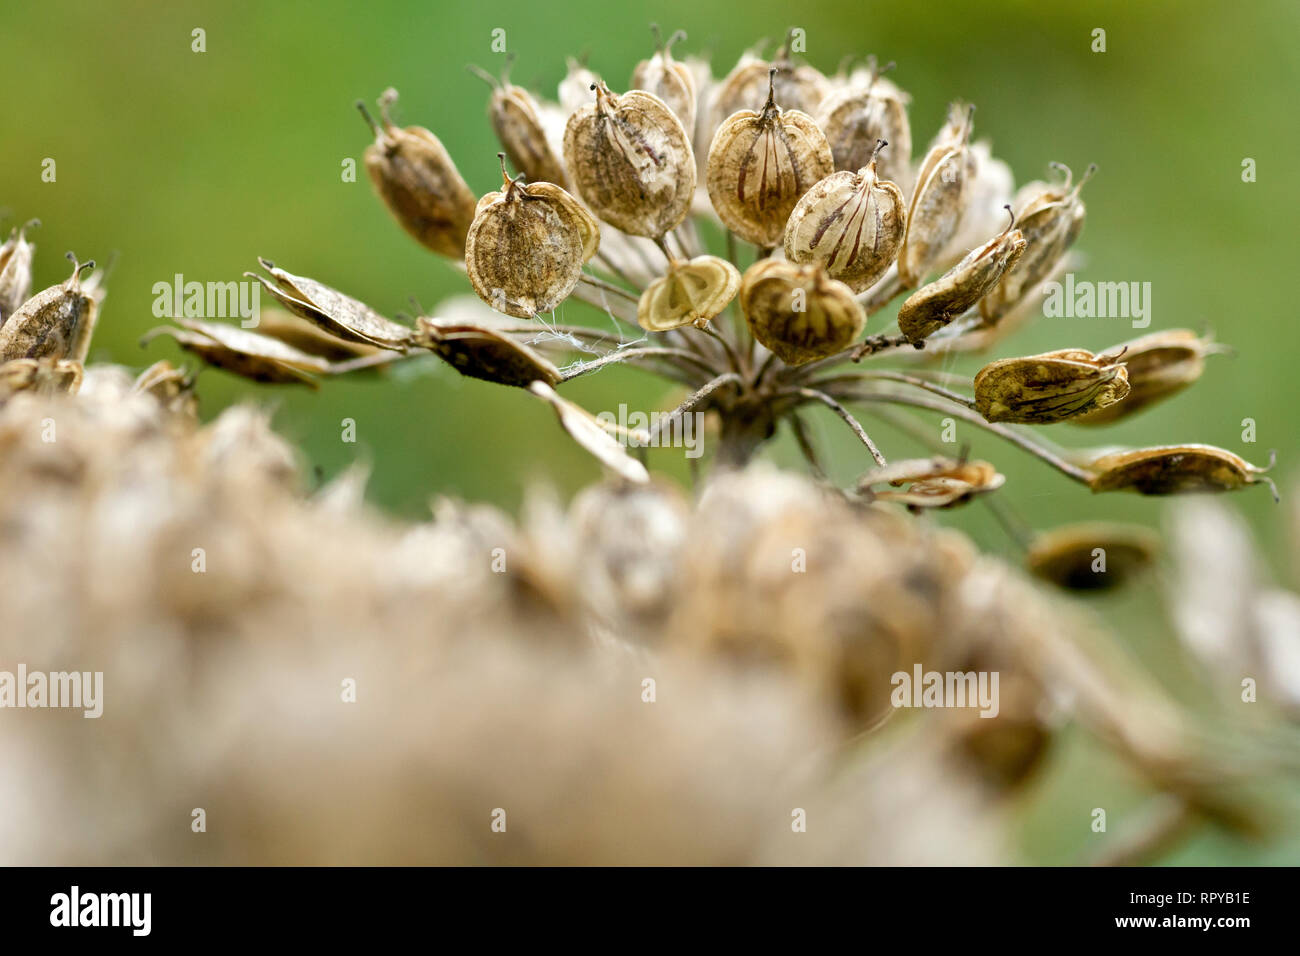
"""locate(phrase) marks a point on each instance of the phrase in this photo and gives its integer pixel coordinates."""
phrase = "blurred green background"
(196, 163)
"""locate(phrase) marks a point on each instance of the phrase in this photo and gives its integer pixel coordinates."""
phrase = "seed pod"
(527, 246)
(1175, 469)
(669, 80)
(1050, 218)
(479, 352)
(1054, 386)
(16, 270)
(418, 182)
(690, 293)
(799, 312)
(761, 164)
(244, 353)
(43, 376)
(933, 306)
(587, 431)
(856, 117)
(173, 388)
(939, 198)
(574, 90)
(933, 482)
(518, 125)
(47, 323)
(1068, 556)
(632, 162)
(798, 86)
(308, 337)
(338, 314)
(1159, 365)
(850, 222)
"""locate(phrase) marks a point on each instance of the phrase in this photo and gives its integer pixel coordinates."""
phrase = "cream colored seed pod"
(519, 129)
(44, 376)
(1054, 386)
(331, 310)
(527, 246)
(47, 324)
(1175, 469)
(799, 312)
(938, 482)
(16, 270)
(798, 86)
(690, 293)
(855, 117)
(632, 162)
(1159, 365)
(939, 198)
(761, 164)
(850, 222)
(671, 81)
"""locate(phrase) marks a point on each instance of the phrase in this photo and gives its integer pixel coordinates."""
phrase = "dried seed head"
(1175, 469)
(480, 352)
(933, 482)
(173, 388)
(850, 222)
(760, 165)
(518, 125)
(939, 198)
(418, 182)
(43, 376)
(247, 354)
(1068, 556)
(668, 79)
(933, 306)
(527, 246)
(340, 315)
(856, 117)
(690, 293)
(632, 161)
(1054, 386)
(587, 431)
(797, 86)
(1050, 218)
(1159, 365)
(799, 312)
(47, 323)
(16, 270)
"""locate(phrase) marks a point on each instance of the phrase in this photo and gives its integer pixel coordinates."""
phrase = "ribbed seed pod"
(939, 198)
(798, 86)
(761, 164)
(480, 352)
(1054, 386)
(1159, 365)
(331, 310)
(856, 117)
(669, 80)
(418, 182)
(16, 270)
(690, 293)
(799, 312)
(1175, 469)
(46, 324)
(850, 222)
(937, 482)
(519, 129)
(245, 353)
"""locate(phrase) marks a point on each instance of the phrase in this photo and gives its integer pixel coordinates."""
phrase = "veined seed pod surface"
(760, 165)
(527, 246)
(856, 117)
(632, 162)
(518, 126)
(798, 86)
(1159, 365)
(481, 352)
(244, 353)
(669, 80)
(799, 312)
(1068, 556)
(1175, 469)
(939, 198)
(44, 376)
(46, 324)
(850, 222)
(933, 306)
(16, 270)
(1054, 386)
(338, 314)
(295, 331)
(937, 482)
(418, 182)
(690, 293)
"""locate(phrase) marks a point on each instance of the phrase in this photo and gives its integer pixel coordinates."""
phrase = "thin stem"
(608, 287)
(881, 374)
(767, 364)
(732, 358)
(882, 293)
(813, 394)
(806, 448)
(614, 270)
(374, 360)
(628, 355)
(597, 297)
(666, 421)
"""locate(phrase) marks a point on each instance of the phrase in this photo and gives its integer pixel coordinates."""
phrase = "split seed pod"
(933, 306)
(799, 312)
(518, 125)
(1054, 386)
(418, 182)
(669, 80)
(527, 246)
(1159, 365)
(690, 293)
(16, 270)
(44, 376)
(632, 161)
(760, 165)
(1069, 556)
(939, 198)
(47, 323)
(855, 117)
(480, 352)
(587, 431)
(173, 388)
(308, 337)
(933, 482)
(340, 315)
(798, 85)
(244, 352)
(850, 222)
(1175, 469)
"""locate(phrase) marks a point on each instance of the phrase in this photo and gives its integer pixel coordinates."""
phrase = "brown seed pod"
(937, 482)
(1092, 556)
(527, 246)
(338, 314)
(850, 222)
(939, 198)
(1054, 386)
(252, 356)
(799, 312)
(856, 117)
(587, 431)
(480, 352)
(43, 376)
(308, 337)
(16, 270)
(173, 388)
(760, 165)
(632, 162)
(418, 182)
(933, 306)
(1050, 218)
(574, 91)
(668, 79)
(1175, 469)
(798, 86)
(1159, 365)
(518, 125)
(690, 293)
(47, 323)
